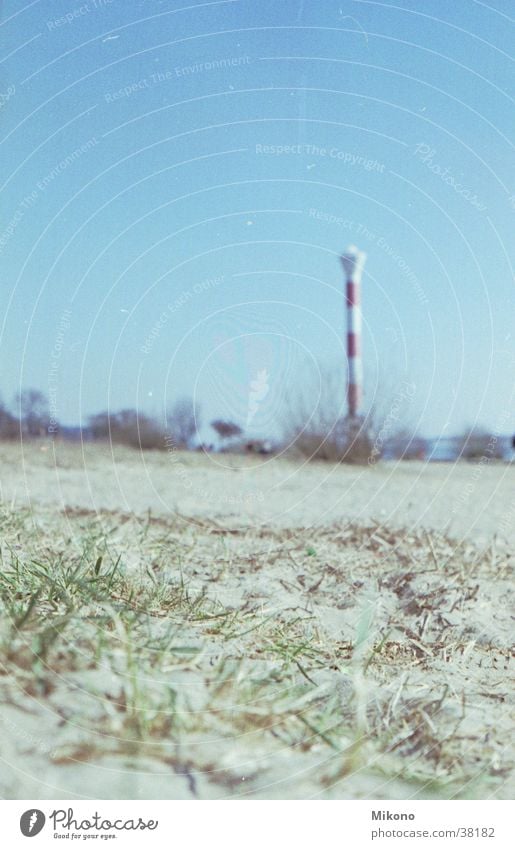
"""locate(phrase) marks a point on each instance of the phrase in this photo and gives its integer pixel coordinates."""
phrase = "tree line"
(325, 438)
(30, 417)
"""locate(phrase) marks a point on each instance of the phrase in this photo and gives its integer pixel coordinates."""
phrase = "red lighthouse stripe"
(353, 345)
(354, 398)
(352, 294)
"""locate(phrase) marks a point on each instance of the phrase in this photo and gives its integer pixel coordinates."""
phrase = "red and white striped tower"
(353, 261)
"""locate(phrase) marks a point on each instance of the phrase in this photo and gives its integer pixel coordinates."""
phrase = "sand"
(467, 500)
(353, 638)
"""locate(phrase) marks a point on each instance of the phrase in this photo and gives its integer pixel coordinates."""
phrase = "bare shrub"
(128, 427)
(477, 442)
(138, 430)
(406, 445)
(317, 426)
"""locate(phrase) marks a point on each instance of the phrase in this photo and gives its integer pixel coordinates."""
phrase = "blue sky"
(179, 179)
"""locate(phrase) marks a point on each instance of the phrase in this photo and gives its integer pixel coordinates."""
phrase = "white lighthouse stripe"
(354, 322)
(355, 370)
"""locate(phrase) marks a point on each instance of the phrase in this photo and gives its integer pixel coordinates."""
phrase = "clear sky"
(179, 179)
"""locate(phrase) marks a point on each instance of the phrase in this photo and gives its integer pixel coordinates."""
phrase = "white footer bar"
(258, 824)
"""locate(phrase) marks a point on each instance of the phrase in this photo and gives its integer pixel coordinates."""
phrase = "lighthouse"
(353, 261)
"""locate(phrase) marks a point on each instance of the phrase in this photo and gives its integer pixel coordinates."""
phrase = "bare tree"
(9, 425)
(99, 425)
(226, 429)
(183, 421)
(34, 414)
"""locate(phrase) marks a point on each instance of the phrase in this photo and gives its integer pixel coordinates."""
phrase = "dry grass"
(183, 658)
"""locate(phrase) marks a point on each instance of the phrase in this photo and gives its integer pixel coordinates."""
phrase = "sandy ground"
(362, 657)
(466, 500)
